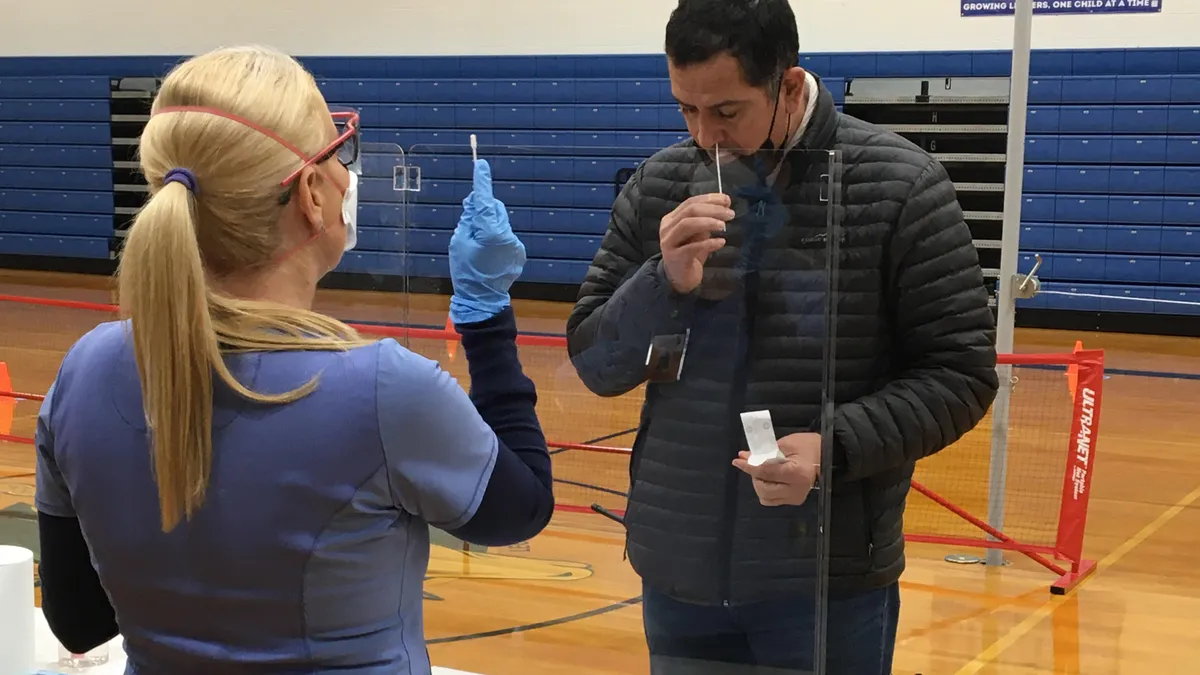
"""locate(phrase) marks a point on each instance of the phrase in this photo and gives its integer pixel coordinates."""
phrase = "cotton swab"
(474, 149)
(717, 149)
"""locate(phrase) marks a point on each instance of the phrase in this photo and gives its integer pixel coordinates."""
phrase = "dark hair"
(760, 34)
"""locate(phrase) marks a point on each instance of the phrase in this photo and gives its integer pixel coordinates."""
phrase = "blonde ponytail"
(180, 326)
(162, 290)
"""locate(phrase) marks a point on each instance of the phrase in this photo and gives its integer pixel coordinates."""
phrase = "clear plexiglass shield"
(643, 404)
(378, 262)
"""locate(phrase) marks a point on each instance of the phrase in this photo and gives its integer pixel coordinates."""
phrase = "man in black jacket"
(726, 550)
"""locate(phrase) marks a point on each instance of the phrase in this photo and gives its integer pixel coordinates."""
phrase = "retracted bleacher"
(56, 188)
(1112, 192)
(1111, 202)
(1111, 185)
(560, 151)
(962, 122)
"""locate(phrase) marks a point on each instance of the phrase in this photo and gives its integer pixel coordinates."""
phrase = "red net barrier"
(1047, 447)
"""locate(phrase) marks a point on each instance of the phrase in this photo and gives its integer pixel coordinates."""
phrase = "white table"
(46, 652)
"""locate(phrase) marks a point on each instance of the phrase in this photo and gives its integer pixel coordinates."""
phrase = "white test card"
(760, 436)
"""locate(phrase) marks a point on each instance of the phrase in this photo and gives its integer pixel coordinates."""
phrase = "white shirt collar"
(811, 92)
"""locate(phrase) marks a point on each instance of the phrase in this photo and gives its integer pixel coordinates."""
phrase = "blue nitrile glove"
(485, 256)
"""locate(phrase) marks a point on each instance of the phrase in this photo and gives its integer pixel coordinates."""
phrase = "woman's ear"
(309, 199)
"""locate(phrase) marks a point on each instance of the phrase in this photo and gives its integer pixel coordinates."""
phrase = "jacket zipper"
(736, 403)
(635, 461)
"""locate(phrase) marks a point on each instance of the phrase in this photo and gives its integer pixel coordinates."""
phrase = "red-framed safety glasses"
(346, 146)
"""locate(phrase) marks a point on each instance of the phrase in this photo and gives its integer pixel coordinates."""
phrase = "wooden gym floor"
(566, 602)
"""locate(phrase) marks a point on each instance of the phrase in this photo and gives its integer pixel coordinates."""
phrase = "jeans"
(774, 637)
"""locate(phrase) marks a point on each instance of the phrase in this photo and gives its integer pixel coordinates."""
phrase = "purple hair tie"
(184, 176)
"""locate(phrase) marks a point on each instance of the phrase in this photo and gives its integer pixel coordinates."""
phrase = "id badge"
(664, 360)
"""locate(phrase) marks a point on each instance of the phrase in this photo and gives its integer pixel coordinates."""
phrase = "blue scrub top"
(313, 541)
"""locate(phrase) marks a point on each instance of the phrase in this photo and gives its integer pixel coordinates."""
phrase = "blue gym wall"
(1112, 196)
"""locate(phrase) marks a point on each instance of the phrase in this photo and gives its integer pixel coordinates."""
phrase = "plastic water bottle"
(96, 657)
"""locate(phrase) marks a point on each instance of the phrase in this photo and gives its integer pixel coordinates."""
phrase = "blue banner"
(1008, 7)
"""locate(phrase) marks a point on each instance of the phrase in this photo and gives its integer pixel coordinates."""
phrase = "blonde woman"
(236, 482)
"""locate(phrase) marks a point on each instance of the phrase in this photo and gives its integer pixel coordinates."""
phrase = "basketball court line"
(993, 651)
(548, 623)
(991, 604)
(1128, 372)
(589, 486)
(629, 602)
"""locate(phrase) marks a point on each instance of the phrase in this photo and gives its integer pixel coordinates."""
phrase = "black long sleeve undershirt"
(519, 499)
(74, 602)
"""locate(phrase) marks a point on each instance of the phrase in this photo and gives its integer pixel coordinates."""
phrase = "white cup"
(16, 610)
(95, 657)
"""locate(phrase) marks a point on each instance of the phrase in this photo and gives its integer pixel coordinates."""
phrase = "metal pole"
(1006, 308)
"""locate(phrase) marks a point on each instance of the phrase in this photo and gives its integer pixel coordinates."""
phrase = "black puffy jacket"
(914, 368)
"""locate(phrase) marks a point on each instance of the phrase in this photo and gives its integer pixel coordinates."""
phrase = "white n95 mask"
(350, 211)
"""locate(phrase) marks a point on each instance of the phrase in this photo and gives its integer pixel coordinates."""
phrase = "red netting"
(570, 415)
(589, 433)
(1035, 454)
